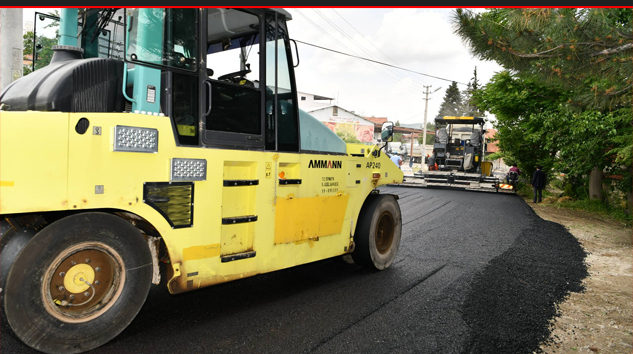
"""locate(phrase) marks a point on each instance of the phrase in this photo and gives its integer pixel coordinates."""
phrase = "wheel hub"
(82, 282)
(77, 276)
(384, 232)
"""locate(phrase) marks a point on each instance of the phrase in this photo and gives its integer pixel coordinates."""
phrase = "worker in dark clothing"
(538, 183)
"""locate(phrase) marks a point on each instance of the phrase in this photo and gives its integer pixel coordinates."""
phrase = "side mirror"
(386, 134)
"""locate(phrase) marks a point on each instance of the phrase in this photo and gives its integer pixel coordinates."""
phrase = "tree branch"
(536, 55)
(626, 88)
(614, 50)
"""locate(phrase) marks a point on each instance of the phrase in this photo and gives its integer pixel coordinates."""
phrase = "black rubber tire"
(11, 243)
(32, 281)
(378, 232)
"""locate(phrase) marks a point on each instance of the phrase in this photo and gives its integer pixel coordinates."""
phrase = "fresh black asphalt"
(476, 272)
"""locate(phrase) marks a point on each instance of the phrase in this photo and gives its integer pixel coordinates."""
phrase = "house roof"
(376, 120)
(316, 97)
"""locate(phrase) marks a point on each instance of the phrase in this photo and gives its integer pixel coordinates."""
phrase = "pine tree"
(452, 104)
(469, 108)
(567, 79)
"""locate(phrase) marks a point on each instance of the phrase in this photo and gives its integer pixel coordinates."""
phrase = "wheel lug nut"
(73, 262)
(72, 297)
(86, 293)
(97, 282)
(62, 274)
(88, 260)
(61, 288)
(98, 269)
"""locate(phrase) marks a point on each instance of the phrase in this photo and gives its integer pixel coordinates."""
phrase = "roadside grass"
(597, 207)
(552, 196)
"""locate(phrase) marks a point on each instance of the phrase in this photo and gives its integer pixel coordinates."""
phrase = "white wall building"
(309, 101)
(341, 121)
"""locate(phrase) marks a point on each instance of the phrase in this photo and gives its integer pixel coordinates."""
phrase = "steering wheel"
(233, 76)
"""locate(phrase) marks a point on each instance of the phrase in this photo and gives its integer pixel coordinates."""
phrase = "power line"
(351, 39)
(378, 62)
(327, 34)
(357, 31)
(343, 45)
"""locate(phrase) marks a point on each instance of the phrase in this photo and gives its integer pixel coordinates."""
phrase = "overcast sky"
(418, 43)
(418, 40)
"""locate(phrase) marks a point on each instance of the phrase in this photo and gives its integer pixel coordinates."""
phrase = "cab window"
(234, 116)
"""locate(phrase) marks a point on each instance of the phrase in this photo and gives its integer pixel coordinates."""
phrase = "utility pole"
(426, 108)
(411, 151)
(11, 39)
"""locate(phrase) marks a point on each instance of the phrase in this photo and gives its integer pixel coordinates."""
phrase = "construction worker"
(397, 159)
(514, 168)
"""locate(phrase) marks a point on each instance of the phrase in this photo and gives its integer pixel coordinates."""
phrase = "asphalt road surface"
(476, 272)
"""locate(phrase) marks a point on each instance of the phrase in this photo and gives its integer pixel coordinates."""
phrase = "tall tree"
(521, 108)
(452, 104)
(583, 54)
(469, 107)
(587, 50)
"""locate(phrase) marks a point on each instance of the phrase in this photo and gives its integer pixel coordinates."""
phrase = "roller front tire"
(378, 232)
(78, 283)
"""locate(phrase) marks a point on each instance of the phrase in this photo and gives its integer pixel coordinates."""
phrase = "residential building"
(308, 101)
(344, 122)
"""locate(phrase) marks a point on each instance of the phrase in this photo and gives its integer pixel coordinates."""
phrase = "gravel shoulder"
(600, 318)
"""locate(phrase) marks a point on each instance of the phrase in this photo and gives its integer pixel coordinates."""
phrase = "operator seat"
(442, 136)
(475, 139)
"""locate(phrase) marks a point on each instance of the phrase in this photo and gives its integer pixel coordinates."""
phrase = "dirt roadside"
(600, 319)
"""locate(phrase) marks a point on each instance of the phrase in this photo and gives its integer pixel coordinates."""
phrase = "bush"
(557, 183)
(568, 190)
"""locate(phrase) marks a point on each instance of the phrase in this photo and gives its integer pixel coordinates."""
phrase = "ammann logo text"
(325, 164)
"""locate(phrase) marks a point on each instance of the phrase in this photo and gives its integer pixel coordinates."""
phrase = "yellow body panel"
(46, 165)
(486, 168)
(33, 162)
(300, 219)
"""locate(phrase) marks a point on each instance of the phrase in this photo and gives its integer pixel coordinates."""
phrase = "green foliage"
(521, 108)
(430, 139)
(27, 51)
(44, 55)
(44, 51)
(568, 190)
(469, 106)
(452, 104)
(565, 99)
(598, 207)
(496, 155)
(587, 50)
(557, 183)
(525, 189)
(347, 137)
